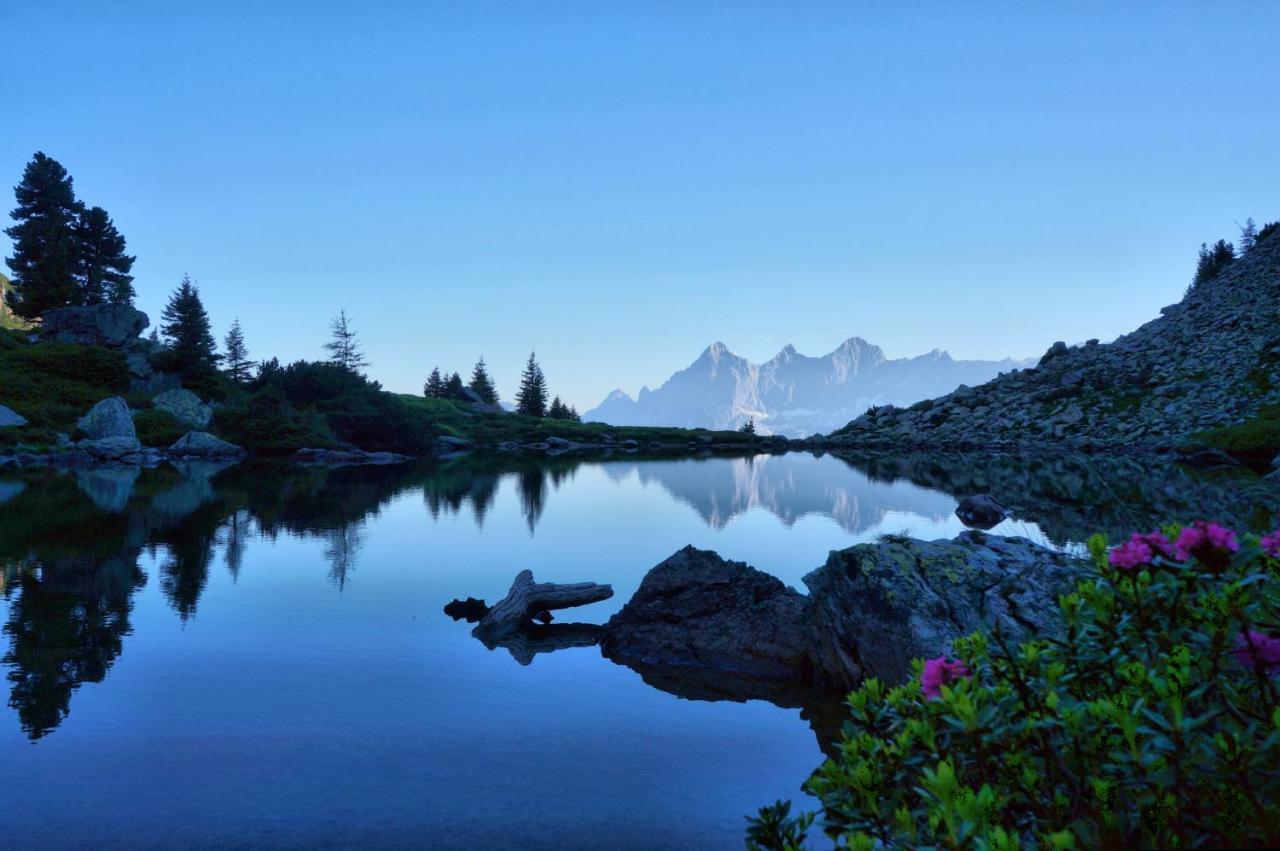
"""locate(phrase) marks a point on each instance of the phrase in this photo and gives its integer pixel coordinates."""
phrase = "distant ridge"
(792, 394)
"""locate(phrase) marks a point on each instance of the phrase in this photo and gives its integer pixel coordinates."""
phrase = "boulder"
(201, 444)
(449, 445)
(111, 448)
(875, 607)
(980, 511)
(337, 457)
(10, 418)
(185, 407)
(109, 418)
(697, 610)
(112, 325)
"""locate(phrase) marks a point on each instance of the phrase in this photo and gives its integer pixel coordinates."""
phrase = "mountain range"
(792, 394)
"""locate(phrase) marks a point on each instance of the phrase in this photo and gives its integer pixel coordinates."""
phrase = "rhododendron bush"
(1151, 720)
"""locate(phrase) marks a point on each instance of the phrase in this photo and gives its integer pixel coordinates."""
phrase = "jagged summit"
(792, 393)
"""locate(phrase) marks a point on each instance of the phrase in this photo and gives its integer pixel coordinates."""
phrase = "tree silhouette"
(531, 400)
(185, 326)
(45, 246)
(434, 388)
(482, 384)
(237, 357)
(102, 273)
(344, 349)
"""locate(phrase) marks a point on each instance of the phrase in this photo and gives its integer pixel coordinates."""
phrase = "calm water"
(257, 655)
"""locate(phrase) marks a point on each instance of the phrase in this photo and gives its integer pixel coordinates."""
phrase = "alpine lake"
(256, 654)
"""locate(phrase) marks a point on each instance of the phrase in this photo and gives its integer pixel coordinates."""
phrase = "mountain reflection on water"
(70, 543)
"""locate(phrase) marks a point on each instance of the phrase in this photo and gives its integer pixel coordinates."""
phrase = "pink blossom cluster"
(1271, 544)
(1140, 549)
(1256, 650)
(937, 673)
(1202, 536)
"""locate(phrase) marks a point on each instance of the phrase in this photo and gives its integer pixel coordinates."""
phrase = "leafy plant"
(1151, 720)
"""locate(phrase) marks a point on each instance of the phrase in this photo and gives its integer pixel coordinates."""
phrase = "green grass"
(1256, 441)
(488, 430)
(54, 385)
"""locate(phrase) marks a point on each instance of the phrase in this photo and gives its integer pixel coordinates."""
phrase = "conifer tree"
(1213, 259)
(557, 411)
(1248, 235)
(344, 349)
(237, 357)
(434, 388)
(453, 387)
(531, 400)
(45, 247)
(482, 384)
(185, 326)
(749, 427)
(573, 414)
(102, 267)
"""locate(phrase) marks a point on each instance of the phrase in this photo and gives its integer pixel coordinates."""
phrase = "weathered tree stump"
(513, 615)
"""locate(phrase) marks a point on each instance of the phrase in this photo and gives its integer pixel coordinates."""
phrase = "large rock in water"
(980, 511)
(201, 444)
(697, 610)
(185, 407)
(108, 418)
(112, 325)
(10, 418)
(875, 607)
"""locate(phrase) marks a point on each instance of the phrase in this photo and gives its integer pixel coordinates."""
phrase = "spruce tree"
(1213, 259)
(45, 247)
(102, 267)
(453, 387)
(237, 357)
(344, 348)
(1248, 235)
(531, 400)
(749, 427)
(185, 326)
(482, 384)
(434, 388)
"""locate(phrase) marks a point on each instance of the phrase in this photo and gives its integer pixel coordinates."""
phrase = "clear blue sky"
(617, 185)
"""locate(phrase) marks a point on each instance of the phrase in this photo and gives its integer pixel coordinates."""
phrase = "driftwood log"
(512, 618)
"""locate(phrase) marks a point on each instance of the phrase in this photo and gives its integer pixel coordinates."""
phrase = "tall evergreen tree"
(482, 384)
(344, 349)
(453, 387)
(185, 327)
(749, 427)
(434, 388)
(45, 246)
(237, 356)
(1248, 235)
(102, 267)
(1213, 259)
(531, 400)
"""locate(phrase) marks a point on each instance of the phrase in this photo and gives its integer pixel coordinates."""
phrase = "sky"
(617, 185)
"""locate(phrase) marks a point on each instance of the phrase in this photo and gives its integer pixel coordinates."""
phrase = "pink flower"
(1210, 543)
(1271, 544)
(1139, 550)
(1255, 650)
(937, 673)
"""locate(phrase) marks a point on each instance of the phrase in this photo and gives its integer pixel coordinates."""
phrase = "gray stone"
(698, 610)
(339, 457)
(185, 407)
(875, 607)
(980, 511)
(201, 444)
(111, 448)
(9, 418)
(108, 419)
(112, 325)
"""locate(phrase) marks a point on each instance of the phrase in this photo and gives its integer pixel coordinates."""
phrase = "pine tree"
(185, 326)
(344, 348)
(45, 247)
(453, 387)
(1248, 236)
(482, 384)
(1213, 259)
(749, 427)
(531, 400)
(434, 388)
(102, 267)
(237, 357)
(557, 411)
(574, 415)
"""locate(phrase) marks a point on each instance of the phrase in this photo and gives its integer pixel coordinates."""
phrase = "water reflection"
(70, 543)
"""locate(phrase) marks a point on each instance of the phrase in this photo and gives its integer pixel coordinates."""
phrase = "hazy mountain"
(793, 394)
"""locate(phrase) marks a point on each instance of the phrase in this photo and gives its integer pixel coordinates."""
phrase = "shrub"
(266, 422)
(158, 428)
(1153, 720)
(1256, 440)
(53, 385)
